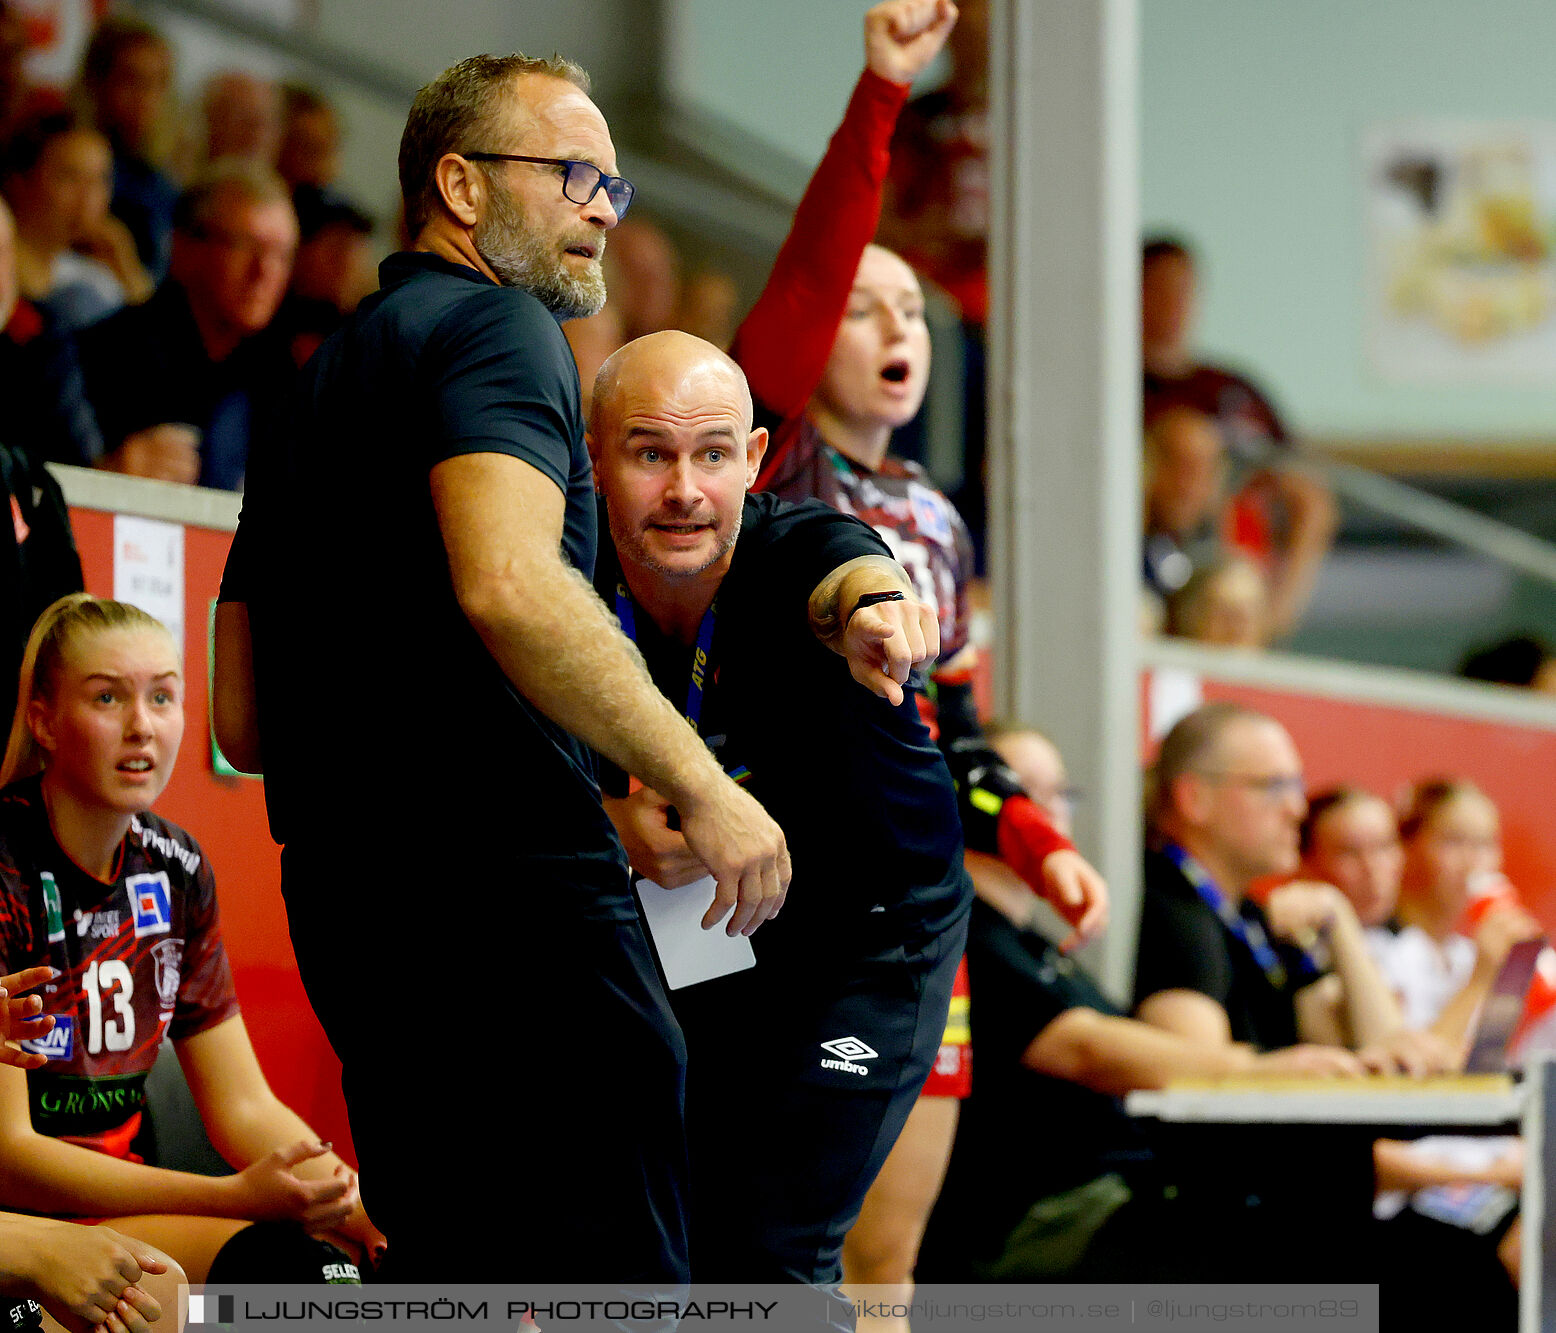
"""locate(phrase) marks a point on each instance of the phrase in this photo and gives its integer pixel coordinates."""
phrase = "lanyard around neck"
(1249, 931)
(697, 688)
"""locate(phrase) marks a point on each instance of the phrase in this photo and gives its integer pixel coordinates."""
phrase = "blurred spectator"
(1184, 479)
(709, 304)
(1350, 839)
(57, 34)
(332, 273)
(1036, 763)
(44, 409)
(310, 138)
(126, 79)
(13, 75)
(593, 339)
(242, 117)
(1225, 810)
(644, 276)
(75, 260)
(1521, 660)
(184, 384)
(1174, 375)
(1226, 602)
(1446, 1191)
(1280, 513)
(1453, 846)
(936, 210)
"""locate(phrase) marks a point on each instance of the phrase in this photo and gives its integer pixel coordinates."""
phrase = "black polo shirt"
(1184, 945)
(1022, 1136)
(382, 714)
(146, 364)
(860, 790)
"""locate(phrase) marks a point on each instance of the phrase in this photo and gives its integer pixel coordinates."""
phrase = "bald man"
(787, 633)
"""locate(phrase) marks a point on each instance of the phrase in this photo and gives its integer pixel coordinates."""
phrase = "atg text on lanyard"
(695, 690)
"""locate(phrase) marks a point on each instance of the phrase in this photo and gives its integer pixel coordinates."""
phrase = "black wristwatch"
(874, 599)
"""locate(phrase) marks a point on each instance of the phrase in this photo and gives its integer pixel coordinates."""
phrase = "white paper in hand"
(687, 952)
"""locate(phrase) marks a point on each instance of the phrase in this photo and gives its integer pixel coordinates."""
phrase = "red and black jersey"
(139, 958)
(925, 533)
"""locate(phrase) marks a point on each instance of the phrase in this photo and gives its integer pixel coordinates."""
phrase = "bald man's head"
(674, 453)
(651, 364)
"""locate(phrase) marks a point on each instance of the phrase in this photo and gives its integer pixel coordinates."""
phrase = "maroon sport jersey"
(925, 533)
(138, 958)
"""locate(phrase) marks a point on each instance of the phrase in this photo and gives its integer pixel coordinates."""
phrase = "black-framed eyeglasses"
(581, 182)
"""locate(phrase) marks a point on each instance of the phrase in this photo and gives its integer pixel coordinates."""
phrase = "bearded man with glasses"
(426, 736)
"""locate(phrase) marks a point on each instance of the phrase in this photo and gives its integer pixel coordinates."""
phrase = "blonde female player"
(122, 905)
(83, 1277)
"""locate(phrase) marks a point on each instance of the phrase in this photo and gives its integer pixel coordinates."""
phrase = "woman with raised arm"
(122, 905)
(836, 351)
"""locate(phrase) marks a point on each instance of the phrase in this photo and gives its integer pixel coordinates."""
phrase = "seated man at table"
(1053, 1050)
(1215, 967)
(1129, 1200)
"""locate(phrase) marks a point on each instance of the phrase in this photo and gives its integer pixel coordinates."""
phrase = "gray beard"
(521, 258)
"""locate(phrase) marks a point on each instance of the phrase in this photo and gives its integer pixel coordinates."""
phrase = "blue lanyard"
(696, 690)
(1249, 931)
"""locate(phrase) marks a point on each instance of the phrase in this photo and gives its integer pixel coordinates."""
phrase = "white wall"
(1252, 113)
(779, 71)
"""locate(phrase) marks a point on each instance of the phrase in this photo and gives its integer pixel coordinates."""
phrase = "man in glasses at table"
(1214, 966)
(429, 669)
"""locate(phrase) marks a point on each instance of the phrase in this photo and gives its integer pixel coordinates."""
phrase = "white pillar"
(1064, 411)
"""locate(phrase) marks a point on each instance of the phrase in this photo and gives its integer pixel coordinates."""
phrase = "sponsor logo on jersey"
(847, 1050)
(153, 903)
(98, 925)
(167, 846)
(53, 916)
(58, 1043)
(168, 955)
(90, 1107)
(929, 513)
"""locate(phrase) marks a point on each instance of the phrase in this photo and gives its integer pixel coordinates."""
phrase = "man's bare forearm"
(556, 641)
(501, 521)
(1371, 1012)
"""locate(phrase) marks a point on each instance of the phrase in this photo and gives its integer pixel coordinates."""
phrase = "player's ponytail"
(59, 632)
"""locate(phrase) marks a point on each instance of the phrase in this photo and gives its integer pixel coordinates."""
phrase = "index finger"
(26, 979)
(877, 682)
